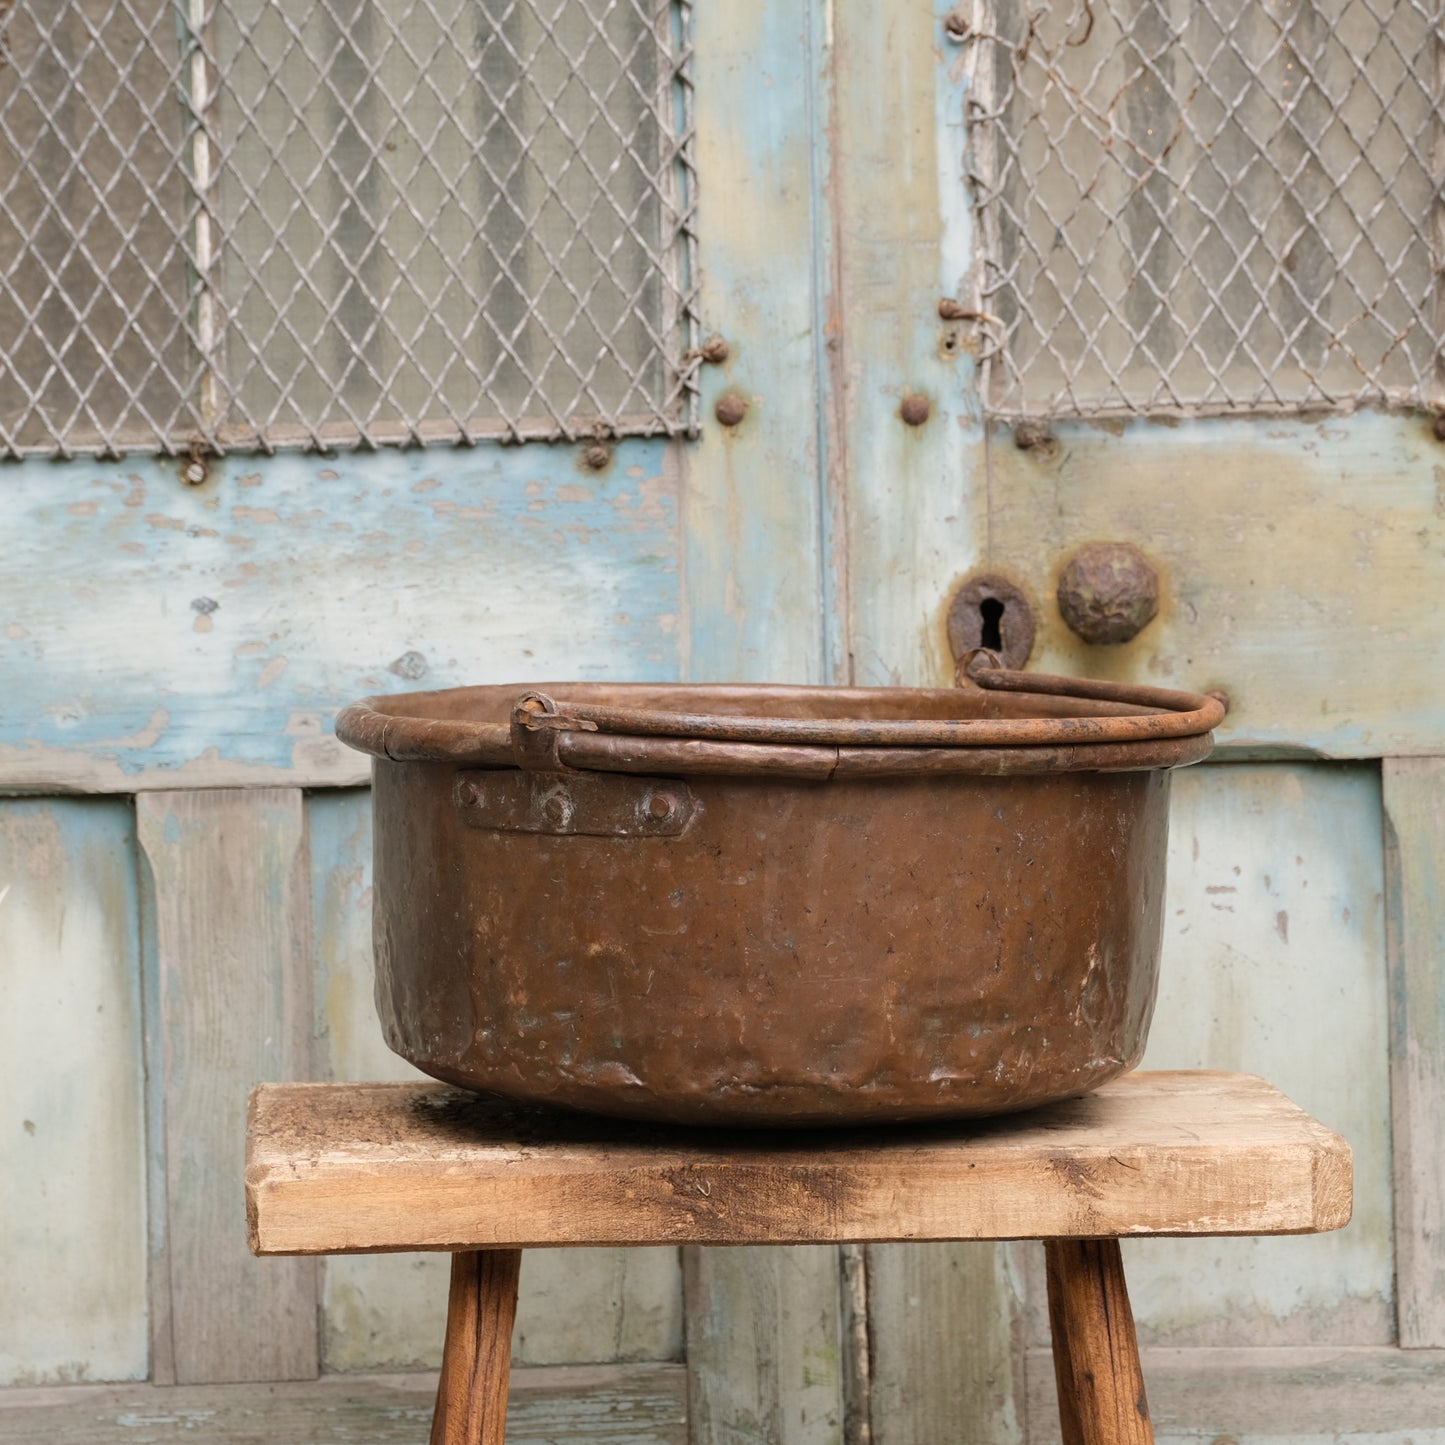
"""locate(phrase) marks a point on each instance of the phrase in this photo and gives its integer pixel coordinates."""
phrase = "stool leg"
(477, 1358)
(1096, 1353)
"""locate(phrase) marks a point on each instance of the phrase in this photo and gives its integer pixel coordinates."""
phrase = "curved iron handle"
(538, 720)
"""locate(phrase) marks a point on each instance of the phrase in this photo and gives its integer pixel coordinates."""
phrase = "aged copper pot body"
(690, 920)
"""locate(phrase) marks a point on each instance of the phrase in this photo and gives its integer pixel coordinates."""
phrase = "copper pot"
(774, 905)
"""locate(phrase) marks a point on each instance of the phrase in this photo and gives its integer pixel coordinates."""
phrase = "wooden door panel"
(72, 1102)
(1415, 914)
(1274, 964)
(1301, 564)
(161, 635)
(226, 914)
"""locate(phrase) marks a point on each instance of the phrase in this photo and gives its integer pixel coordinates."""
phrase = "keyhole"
(990, 612)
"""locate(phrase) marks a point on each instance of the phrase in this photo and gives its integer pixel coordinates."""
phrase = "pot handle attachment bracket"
(537, 725)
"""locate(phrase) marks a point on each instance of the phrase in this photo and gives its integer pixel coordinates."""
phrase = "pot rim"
(1010, 723)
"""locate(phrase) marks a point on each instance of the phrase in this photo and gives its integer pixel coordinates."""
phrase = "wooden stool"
(334, 1168)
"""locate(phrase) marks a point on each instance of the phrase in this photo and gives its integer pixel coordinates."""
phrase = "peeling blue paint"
(151, 624)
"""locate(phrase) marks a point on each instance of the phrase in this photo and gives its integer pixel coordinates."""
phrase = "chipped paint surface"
(1301, 565)
(158, 635)
(905, 241)
(751, 508)
(1274, 964)
(72, 1186)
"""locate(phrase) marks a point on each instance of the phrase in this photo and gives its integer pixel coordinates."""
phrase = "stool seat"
(336, 1168)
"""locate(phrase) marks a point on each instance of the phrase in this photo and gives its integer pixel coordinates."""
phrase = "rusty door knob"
(1108, 592)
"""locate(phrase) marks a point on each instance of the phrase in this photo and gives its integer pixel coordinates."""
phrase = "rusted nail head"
(596, 457)
(715, 351)
(1031, 434)
(1439, 426)
(661, 806)
(915, 408)
(955, 23)
(195, 472)
(1109, 592)
(730, 408)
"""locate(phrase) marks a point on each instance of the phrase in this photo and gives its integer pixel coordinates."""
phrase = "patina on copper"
(780, 906)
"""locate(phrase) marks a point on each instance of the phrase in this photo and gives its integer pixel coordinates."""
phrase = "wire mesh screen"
(236, 223)
(1196, 206)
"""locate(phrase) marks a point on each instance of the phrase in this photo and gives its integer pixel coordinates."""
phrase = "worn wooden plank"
(1096, 1353)
(471, 1406)
(941, 1320)
(332, 1168)
(947, 1357)
(1317, 633)
(1414, 797)
(155, 635)
(1268, 1396)
(764, 1346)
(751, 493)
(607, 1405)
(386, 1312)
(761, 1325)
(1274, 964)
(72, 1118)
(227, 871)
(914, 494)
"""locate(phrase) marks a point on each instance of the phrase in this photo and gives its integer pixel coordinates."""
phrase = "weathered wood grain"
(608, 1405)
(755, 528)
(72, 1116)
(230, 905)
(1273, 964)
(947, 1345)
(1414, 795)
(1318, 633)
(386, 1312)
(750, 502)
(160, 636)
(1275, 1395)
(763, 1346)
(476, 1368)
(336, 1168)
(913, 496)
(1096, 1354)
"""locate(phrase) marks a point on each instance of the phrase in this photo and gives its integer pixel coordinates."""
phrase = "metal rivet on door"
(1108, 592)
(730, 408)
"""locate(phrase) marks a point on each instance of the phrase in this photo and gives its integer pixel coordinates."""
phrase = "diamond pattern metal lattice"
(1206, 206)
(233, 223)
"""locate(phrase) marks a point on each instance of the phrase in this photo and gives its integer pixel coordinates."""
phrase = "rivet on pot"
(661, 807)
(557, 810)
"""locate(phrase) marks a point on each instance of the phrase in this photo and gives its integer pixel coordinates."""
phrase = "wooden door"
(185, 849)
(1302, 565)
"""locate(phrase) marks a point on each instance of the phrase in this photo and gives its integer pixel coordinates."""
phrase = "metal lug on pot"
(564, 805)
